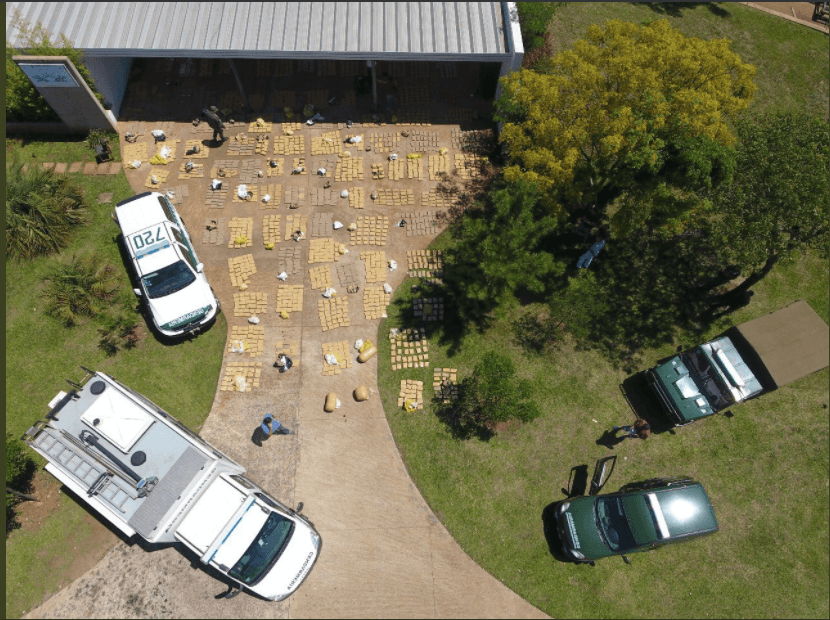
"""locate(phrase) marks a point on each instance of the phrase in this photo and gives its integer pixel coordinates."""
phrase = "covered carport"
(217, 41)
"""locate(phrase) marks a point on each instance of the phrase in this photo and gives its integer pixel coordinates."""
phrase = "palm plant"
(78, 287)
(41, 209)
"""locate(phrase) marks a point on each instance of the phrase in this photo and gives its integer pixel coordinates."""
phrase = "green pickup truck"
(749, 360)
(639, 517)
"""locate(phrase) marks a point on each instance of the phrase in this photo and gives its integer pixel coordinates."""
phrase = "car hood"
(580, 526)
(293, 566)
(191, 298)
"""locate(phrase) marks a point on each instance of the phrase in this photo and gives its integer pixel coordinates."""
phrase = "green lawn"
(766, 468)
(791, 59)
(41, 354)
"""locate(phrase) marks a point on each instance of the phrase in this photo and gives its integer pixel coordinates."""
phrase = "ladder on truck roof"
(69, 453)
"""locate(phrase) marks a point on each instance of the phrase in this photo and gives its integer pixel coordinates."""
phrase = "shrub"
(492, 394)
(533, 21)
(120, 332)
(41, 210)
(23, 102)
(19, 469)
(78, 287)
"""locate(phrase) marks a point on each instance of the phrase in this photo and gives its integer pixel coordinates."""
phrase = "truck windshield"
(168, 280)
(613, 525)
(705, 377)
(264, 551)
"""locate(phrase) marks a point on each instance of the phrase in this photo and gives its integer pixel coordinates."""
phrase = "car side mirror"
(626, 559)
(137, 292)
(200, 268)
(299, 508)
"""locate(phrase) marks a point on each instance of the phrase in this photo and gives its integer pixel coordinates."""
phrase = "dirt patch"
(508, 429)
(32, 515)
(84, 551)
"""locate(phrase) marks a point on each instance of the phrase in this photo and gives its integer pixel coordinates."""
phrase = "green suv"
(638, 517)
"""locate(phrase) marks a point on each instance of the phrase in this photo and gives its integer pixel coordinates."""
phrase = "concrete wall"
(111, 76)
(515, 45)
(58, 81)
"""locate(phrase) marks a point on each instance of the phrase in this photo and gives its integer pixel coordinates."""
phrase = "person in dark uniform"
(640, 429)
(212, 117)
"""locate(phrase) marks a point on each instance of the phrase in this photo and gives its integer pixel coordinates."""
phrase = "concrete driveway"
(384, 552)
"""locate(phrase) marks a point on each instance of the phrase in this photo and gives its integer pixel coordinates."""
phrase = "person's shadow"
(258, 436)
(610, 438)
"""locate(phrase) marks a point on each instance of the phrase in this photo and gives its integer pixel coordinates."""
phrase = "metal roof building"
(111, 34)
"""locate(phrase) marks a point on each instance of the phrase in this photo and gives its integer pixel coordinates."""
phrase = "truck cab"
(171, 280)
(747, 361)
(704, 381)
(148, 475)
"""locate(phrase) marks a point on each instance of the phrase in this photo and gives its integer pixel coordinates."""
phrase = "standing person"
(215, 123)
(640, 429)
(270, 426)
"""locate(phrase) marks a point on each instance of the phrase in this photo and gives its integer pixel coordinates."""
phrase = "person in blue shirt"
(270, 426)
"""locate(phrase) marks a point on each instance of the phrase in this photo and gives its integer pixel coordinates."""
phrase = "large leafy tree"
(632, 115)
(778, 202)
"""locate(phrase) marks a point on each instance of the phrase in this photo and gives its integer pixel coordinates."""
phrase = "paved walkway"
(384, 552)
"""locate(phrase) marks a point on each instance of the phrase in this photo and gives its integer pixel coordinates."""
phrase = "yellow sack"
(158, 159)
(414, 156)
(410, 405)
(366, 345)
(283, 314)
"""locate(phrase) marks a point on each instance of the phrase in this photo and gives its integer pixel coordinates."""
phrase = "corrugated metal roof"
(405, 30)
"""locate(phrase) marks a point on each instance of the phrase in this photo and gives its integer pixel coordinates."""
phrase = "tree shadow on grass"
(643, 294)
(675, 9)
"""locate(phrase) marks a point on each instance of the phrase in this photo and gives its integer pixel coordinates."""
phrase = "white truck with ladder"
(149, 475)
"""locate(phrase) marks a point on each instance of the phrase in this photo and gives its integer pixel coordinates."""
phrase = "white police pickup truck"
(171, 279)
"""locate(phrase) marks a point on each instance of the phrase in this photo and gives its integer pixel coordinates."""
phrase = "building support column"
(373, 66)
(239, 84)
